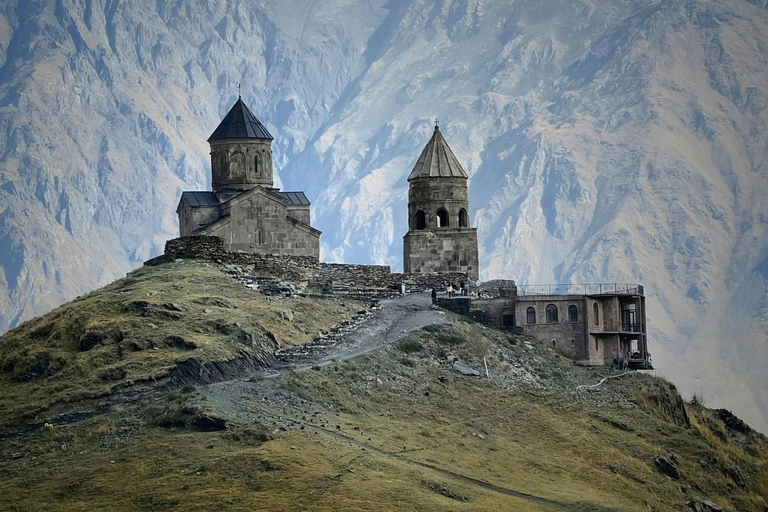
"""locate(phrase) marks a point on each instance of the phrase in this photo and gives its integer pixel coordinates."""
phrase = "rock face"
(605, 141)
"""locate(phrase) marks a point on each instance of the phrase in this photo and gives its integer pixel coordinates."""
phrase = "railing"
(581, 289)
(629, 327)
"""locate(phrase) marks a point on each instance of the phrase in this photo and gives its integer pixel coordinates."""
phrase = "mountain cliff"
(606, 141)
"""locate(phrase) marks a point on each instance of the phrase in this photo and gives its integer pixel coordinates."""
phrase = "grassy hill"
(395, 429)
(171, 323)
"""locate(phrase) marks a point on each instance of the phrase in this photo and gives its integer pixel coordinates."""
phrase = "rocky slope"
(615, 140)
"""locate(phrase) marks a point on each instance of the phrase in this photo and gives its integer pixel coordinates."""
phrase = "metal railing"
(581, 289)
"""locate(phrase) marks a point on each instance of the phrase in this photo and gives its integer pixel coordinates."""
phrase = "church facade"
(439, 237)
(244, 208)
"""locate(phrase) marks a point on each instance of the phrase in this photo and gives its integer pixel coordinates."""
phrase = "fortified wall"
(307, 268)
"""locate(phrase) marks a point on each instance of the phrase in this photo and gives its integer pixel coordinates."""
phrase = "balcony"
(581, 289)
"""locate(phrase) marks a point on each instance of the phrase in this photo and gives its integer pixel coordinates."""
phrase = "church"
(439, 237)
(244, 208)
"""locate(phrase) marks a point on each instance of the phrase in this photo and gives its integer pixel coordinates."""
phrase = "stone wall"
(306, 268)
(442, 250)
(258, 222)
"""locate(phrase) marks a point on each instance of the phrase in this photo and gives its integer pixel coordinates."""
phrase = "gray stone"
(463, 369)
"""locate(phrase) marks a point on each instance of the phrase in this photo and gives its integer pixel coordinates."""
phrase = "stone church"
(439, 237)
(244, 208)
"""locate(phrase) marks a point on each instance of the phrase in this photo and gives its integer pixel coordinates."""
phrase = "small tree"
(697, 399)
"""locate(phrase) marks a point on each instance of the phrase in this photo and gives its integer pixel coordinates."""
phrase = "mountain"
(606, 141)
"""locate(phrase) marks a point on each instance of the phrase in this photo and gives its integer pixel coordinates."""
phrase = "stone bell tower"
(439, 237)
(241, 153)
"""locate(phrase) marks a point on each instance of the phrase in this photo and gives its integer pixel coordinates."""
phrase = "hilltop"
(192, 385)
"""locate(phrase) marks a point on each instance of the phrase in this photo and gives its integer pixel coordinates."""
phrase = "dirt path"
(393, 319)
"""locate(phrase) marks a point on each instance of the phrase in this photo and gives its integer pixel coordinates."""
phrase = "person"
(450, 291)
(434, 295)
(462, 289)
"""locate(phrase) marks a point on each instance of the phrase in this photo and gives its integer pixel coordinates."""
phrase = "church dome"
(240, 123)
(437, 160)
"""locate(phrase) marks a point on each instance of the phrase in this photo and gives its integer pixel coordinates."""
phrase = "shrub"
(409, 345)
(697, 399)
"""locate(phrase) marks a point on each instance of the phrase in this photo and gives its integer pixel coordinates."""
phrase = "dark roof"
(199, 199)
(295, 198)
(240, 123)
(437, 160)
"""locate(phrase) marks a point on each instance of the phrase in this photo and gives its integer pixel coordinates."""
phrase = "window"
(421, 219)
(573, 314)
(572, 342)
(508, 318)
(629, 317)
(597, 344)
(256, 165)
(596, 313)
(551, 314)
(554, 343)
(530, 316)
(442, 218)
(463, 218)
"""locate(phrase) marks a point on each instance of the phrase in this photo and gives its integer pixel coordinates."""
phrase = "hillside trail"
(263, 398)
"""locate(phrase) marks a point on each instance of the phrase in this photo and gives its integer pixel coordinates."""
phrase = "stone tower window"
(256, 165)
(551, 314)
(530, 316)
(596, 313)
(573, 314)
(463, 218)
(421, 219)
(442, 218)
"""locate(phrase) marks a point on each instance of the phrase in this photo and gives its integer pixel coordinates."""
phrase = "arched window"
(508, 318)
(421, 219)
(573, 314)
(530, 315)
(596, 313)
(442, 218)
(256, 165)
(551, 314)
(463, 218)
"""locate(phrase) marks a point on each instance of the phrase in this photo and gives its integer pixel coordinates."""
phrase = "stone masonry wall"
(306, 268)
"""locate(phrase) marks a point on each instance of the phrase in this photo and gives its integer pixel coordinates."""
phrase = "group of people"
(452, 291)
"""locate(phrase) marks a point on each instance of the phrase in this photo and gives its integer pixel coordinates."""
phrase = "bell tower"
(439, 237)
(241, 153)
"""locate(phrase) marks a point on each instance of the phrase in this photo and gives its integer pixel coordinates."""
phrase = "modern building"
(439, 238)
(594, 324)
(244, 208)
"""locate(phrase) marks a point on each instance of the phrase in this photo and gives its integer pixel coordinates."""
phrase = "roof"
(437, 160)
(199, 199)
(295, 198)
(240, 123)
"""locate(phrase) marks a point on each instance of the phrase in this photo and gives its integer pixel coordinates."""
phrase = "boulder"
(667, 467)
(703, 506)
(464, 369)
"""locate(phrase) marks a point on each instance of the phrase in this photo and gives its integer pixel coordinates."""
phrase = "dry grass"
(145, 324)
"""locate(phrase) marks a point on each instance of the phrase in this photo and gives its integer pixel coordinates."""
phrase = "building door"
(508, 318)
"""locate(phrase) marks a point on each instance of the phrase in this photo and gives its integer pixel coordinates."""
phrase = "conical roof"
(437, 160)
(240, 123)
